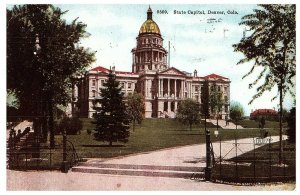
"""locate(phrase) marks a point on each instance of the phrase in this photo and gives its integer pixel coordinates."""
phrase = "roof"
(214, 76)
(100, 69)
(149, 26)
(103, 69)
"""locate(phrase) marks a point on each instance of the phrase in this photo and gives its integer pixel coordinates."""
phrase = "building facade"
(162, 86)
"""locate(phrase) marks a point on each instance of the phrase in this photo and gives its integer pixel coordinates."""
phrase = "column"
(175, 89)
(97, 88)
(162, 87)
(183, 89)
(158, 87)
(175, 107)
(146, 95)
(168, 87)
(169, 106)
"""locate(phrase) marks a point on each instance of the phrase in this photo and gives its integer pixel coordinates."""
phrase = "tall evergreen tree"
(43, 53)
(272, 46)
(111, 118)
(205, 99)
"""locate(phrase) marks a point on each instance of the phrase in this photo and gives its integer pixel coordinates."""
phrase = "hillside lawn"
(151, 135)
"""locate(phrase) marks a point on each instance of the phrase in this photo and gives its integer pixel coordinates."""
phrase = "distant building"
(267, 113)
(163, 87)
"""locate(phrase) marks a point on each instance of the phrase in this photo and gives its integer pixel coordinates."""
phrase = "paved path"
(53, 180)
(188, 156)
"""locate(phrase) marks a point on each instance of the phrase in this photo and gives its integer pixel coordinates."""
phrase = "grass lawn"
(151, 135)
(261, 166)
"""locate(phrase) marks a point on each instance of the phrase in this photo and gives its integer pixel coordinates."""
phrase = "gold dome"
(149, 26)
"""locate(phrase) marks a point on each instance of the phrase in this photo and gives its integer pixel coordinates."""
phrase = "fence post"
(208, 157)
(254, 161)
(64, 165)
(284, 160)
(270, 160)
(220, 158)
(236, 164)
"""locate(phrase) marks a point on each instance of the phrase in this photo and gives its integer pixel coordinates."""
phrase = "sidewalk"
(53, 180)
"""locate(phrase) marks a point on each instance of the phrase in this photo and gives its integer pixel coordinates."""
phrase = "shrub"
(291, 131)
(71, 125)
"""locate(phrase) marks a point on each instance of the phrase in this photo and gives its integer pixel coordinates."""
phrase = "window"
(93, 82)
(93, 93)
(122, 85)
(219, 88)
(226, 99)
(196, 97)
(196, 88)
(226, 108)
(102, 83)
(129, 85)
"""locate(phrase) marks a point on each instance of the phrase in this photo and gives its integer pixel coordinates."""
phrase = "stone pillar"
(175, 89)
(162, 87)
(169, 106)
(175, 107)
(158, 87)
(97, 88)
(182, 89)
(168, 87)
(146, 95)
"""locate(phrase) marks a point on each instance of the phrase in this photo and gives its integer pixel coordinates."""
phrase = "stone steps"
(140, 170)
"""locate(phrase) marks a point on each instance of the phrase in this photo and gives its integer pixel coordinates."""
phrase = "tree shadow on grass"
(102, 146)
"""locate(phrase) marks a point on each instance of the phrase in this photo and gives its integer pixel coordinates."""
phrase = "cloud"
(114, 29)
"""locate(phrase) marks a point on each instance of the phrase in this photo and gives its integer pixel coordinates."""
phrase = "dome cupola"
(149, 26)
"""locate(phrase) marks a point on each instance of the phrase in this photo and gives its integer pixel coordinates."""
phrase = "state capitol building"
(163, 87)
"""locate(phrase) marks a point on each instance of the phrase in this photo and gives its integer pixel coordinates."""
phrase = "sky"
(197, 41)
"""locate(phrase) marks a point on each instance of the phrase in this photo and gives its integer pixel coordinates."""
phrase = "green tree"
(111, 117)
(136, 107)
(272, 46)
(189, 112)
(236, 111)
(43, 53)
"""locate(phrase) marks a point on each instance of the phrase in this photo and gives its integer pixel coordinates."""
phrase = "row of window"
(129, 85)
(147, 41)
(197, 88)
(94, 93)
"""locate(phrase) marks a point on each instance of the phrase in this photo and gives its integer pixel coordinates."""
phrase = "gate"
(253, 160)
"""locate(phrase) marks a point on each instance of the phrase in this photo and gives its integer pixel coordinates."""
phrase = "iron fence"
(241, 161)
(40, 156)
